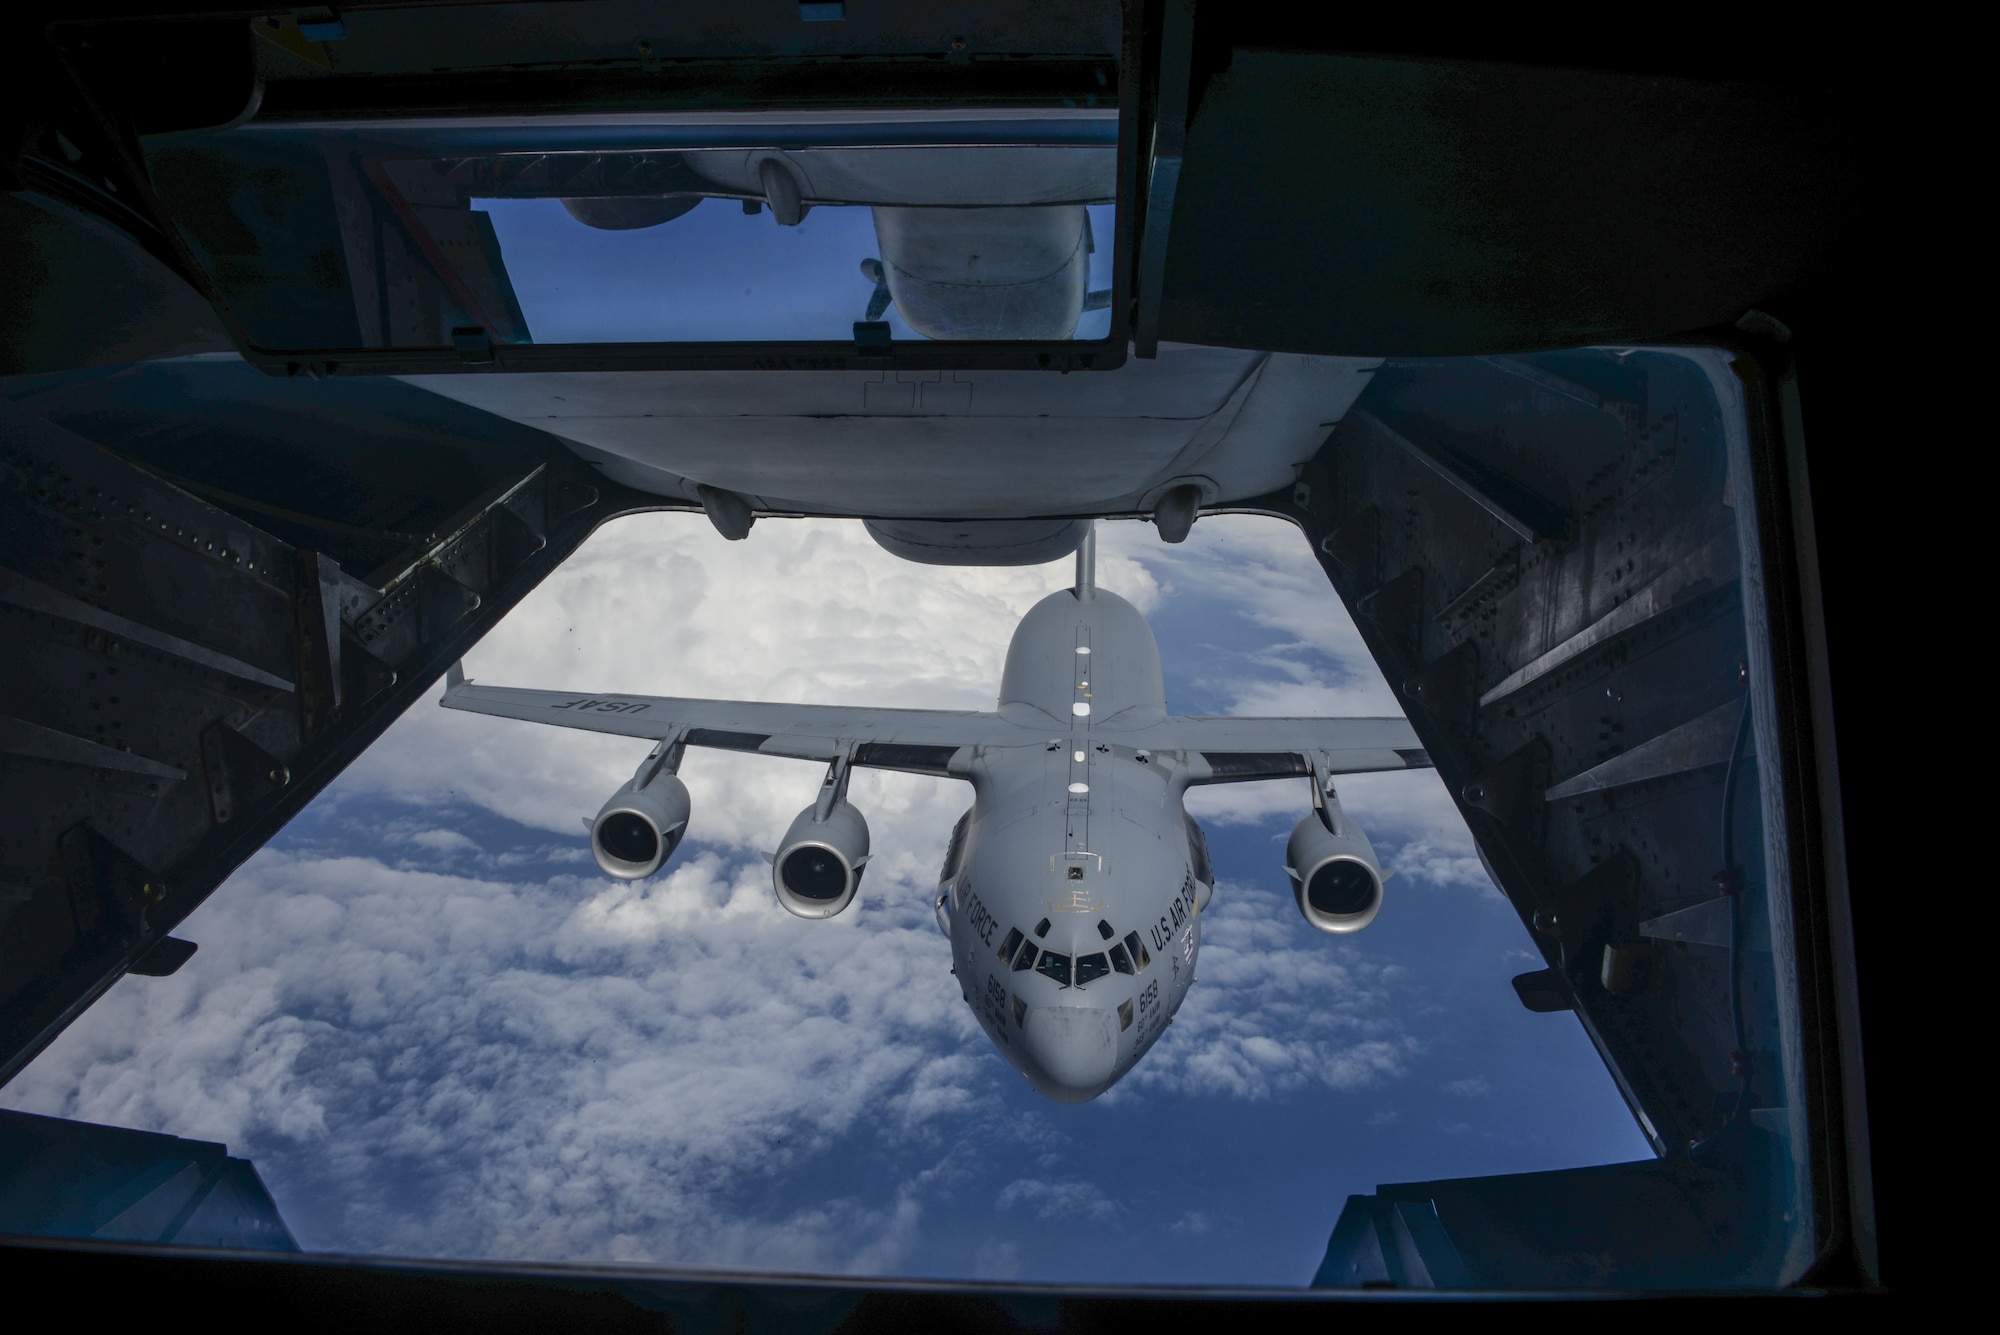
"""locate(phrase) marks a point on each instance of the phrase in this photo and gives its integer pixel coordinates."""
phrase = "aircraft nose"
(1075, 1048)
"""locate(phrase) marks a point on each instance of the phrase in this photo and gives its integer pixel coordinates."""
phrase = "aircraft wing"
(1238, 750)
(920, 740)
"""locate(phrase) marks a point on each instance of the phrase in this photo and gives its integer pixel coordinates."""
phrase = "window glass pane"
(716, 273)
(1026, 959)
(1090, 968)
(1013, 939)
(1054, 965)
(1120, 960)
(1138, 949)
(707, 227)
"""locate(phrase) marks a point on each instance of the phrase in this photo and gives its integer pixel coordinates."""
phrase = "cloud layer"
(438, 1030)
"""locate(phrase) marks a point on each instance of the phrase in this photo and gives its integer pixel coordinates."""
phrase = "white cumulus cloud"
(1276, 1007)
(438, 1030)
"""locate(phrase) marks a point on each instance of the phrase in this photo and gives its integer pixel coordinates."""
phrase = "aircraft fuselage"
(1073, 889)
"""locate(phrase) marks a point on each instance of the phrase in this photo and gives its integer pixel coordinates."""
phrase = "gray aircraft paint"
(1081, 830)
(1233, 424)
(1078, 779)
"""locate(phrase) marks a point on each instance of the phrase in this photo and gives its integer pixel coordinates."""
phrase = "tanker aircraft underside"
(1073, 888)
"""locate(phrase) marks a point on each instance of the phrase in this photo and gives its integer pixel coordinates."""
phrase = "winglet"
(454, 676)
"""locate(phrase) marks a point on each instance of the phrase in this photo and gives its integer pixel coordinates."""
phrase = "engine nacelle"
(639, 828)
(817, 867)
(1335, 876)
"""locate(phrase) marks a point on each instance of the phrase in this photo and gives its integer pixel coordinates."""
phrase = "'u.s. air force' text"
(1170, 922)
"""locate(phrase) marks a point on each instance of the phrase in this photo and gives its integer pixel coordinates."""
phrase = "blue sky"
(438, 1030)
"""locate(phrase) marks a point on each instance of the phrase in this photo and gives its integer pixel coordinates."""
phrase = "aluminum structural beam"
(180, 681)
(1613, 704)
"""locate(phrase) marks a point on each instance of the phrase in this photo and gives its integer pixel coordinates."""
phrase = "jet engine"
(1335, 876)
(642, 824)
(817, 867)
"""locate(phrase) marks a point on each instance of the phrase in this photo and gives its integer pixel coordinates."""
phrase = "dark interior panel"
(219, 588)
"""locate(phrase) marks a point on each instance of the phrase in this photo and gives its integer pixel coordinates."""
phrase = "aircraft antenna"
(1086, 563)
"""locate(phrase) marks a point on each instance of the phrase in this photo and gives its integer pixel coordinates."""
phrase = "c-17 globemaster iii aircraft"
(1073, 888)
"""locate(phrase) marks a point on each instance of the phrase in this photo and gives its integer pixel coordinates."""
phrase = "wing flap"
(1246, 766)
(1249, 766)
(912, 758)
(1243, 750)
(1287, 736)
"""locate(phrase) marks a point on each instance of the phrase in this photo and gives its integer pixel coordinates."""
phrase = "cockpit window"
(1138, 949)
(1026, 959)
(1090, 968)
(1008, 946)
(1104, 929)
(1054, 965)
(1120, 960)
(1042, 927)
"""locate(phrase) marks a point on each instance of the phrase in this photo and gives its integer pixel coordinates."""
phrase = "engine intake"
(1335, 877)
(639, 828)
(818, 866)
